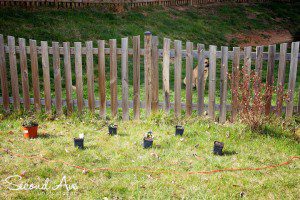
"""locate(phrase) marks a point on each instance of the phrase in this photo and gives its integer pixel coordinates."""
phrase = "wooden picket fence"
(16, 58)
(127, 3)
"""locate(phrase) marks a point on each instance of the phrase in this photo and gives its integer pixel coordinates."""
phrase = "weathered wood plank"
(281, 78)
(46, 76)
(212, 82)
(259, 61)
(24, 73)
(177, 77)
(235, 82)
(166, 74)
(270, 78)
(101, 78)
(14, 72)
(35, 75)
(57, 78)
(223, 84)
(155, 75)
(147, 71)
(113, 77)
(247, 60)
(292, 79)
(68, 76)
(189, 78)
(78, 76)
(136, 76)
(125, 85)
(201, 79)
(90, 75)
(3, 76)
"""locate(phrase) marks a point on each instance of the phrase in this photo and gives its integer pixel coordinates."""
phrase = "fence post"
(136, 76)
(90, 75)
(166, 74)
(235, 82)
(125, 79)
(68, 75)
(177, 77)
(223, 83)
(200, 80)
(212, 81)
(46, 76)
(270, 78)
(3, 76)
(14, 72)
(35, 75)
(147, 68)
(281, 78)
(155, 74)
(57, 77)
(292, 79)
(101, 78)
(78, 75)
(24, 73)
(189, 77)
(113, 77)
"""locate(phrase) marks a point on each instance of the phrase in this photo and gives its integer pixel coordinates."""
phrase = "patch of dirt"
(254, 38)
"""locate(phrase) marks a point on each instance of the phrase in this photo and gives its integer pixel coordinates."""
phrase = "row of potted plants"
(30, 127)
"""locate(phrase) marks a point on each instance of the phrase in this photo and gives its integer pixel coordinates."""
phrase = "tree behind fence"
(13, 63)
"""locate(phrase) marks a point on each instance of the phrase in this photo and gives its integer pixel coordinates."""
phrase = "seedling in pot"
(112, 129)
(30, 127)
(148, 140)
(78, 142)
(179, 130)
(218, 148)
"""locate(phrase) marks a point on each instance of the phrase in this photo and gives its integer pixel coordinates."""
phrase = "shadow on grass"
(229, 153)
(47, 136)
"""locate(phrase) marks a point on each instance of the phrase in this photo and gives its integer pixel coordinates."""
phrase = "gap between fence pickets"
(142, 104)
(160, 52)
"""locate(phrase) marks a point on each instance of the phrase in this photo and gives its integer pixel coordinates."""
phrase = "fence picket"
(35, 75)
(281, 78)
(46, 76)
(235, 82)
(90, 75)
(147, 71)
(223, 84)
(212, 81)
(166, 74)
(155, 75)
(3, 76)
(259, 61)
(101, 78)
(136, 76)
(68, 76)
(78, 76)
(247, 60)
(125, 84)
(57, 78)
(177, 77)
(24, 73)
(292, 79)
(14, 72)
(189, 77)
(113, 77)
(270, 78)
(201, 80)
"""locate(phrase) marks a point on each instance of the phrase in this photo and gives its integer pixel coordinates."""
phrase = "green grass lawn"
(192, 152)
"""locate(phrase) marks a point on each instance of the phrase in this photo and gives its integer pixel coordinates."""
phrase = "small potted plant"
(218, 148)
(148, 140)
(78, 142)
(179, 130)
(112, 129)
(30, 127)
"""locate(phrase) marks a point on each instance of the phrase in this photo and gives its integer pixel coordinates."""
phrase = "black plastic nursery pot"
(218, 148)
(147, 143)
(179, 130)
(112, 130)
(78, 142)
